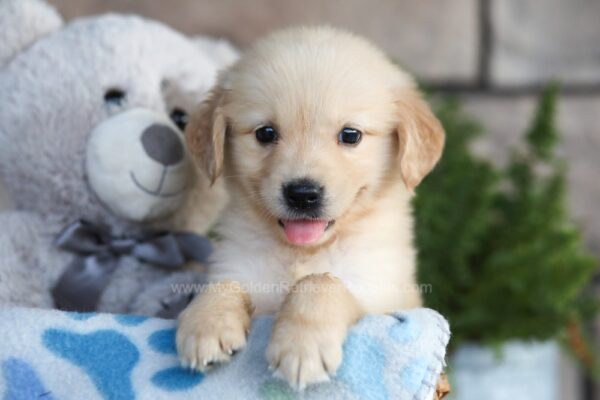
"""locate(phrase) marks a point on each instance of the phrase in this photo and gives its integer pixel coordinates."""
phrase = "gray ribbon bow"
(97, 254)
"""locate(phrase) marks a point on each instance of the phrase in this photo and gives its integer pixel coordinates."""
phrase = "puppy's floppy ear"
(421, 138)
(205, 134)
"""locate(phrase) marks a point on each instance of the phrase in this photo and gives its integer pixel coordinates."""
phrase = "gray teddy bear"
(107, 206)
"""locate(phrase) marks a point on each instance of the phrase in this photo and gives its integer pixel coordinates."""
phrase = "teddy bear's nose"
(162, 144)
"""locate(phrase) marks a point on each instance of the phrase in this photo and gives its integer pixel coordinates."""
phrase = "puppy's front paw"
(303, 353)
(204, 339)
(214, 326)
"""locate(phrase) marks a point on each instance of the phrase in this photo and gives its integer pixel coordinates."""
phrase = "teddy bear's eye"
(114, 96)
(180, 118)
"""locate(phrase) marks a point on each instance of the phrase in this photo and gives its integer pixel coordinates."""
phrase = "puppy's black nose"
(162, 144)
(303, 195)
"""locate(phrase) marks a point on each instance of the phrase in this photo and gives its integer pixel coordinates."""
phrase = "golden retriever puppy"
(321, 140)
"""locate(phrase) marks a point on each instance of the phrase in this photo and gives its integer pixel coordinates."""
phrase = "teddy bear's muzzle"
(137, 164)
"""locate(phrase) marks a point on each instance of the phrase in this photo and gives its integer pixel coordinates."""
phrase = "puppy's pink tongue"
(304, 231)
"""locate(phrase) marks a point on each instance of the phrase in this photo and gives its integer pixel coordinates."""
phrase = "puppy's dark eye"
(350, 136)
(266, 134)
(180, 118)
(114, 96)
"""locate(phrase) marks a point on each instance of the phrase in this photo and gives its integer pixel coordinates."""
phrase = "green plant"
(496, 244)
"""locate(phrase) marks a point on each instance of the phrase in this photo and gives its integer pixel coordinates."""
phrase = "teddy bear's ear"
(220, 50)
(23, 22)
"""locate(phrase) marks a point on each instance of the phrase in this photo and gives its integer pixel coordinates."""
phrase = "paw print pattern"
(274, 389)
(22, 382)
(174, 378)
(405, 330)
(163, 341)
(363, 367)
(80, 316)
(177, 378)
(107, 356)
(130, 320)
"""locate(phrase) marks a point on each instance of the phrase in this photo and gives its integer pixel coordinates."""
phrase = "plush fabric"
(59, 355)
(22, 23)
(59, 86)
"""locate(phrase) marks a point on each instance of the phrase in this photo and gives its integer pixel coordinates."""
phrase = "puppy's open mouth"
(304, 231)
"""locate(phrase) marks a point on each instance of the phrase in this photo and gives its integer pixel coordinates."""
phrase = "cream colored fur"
(310, 83)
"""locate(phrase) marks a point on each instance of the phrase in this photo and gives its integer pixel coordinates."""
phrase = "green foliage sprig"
(496, 244)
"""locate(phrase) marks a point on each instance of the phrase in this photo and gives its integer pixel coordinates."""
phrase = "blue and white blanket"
(48, 354)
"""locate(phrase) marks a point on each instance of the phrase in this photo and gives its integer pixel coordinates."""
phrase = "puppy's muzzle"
(304, 196)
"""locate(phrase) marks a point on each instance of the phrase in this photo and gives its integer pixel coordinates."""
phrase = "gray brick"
(505, 121)
(435, 39)
(539, 40)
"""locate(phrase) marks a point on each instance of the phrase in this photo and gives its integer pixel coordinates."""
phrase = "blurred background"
(494, 56)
